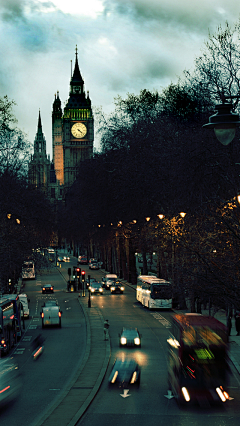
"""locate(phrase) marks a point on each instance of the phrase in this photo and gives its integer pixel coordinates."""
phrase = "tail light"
(51, 288)
(42, 315)
(59, 314)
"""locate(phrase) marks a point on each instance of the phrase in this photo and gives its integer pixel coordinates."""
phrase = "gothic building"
(72, 141)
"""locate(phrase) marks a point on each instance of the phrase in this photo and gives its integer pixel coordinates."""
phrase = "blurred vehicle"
(38, 346)
(51, 250)
(28, 270)
(108, 280)
(125, 373)
(48, 288)
(94, 265)
(60, 259)
(66, 259)
(82, 260)
(130, 337)
(10, 322)
(24, 308)
(198, 359)
(154, 292)
(51, 315)
(10, 383)
(96, 288)
(117, 287)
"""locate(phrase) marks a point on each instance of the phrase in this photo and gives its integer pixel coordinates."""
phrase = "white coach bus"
(154, 293)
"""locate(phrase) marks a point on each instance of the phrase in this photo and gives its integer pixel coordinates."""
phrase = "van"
(109, 280)
(24, 305)
(51, 315)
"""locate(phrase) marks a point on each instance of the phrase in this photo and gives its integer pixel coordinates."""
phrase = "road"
(148, 405)
(44, 380)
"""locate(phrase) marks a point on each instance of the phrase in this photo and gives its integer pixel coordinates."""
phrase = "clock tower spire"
(77, 125)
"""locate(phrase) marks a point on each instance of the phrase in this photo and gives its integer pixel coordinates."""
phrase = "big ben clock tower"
(77, 127)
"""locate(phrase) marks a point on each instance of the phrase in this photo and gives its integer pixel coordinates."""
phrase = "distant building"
(72, 141)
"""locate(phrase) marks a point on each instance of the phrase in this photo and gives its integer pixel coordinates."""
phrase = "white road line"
(161, 319)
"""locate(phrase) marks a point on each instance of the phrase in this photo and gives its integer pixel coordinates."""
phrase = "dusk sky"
(123, 46)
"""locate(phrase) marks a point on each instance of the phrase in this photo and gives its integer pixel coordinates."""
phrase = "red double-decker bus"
(198, 367)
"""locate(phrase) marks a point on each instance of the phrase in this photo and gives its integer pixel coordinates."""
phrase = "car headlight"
(137, 341)
(112, 288)
(101, 289)
(123, 340)
(92, 290)
(122, 288)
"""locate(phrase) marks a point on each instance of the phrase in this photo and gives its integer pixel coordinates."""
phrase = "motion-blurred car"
(125, 373)
(108, 281)
(82, 260)
(117, 287)
(48, 288)
(96, 288)
(10, 383)
(130, 337)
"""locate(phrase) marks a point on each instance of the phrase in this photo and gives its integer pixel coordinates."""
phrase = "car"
(96, 288)
(48, 288)
(94, 265)
(10, 381)
(51, 315)
(124, 373)
(60, 259)
(66, 259)
(117, 287)
(108, 280)
(130, 337)
(82, 260)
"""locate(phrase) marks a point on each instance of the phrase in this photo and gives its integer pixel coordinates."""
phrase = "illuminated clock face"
(79, 130)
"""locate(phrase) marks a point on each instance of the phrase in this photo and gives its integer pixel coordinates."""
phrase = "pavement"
(75, 400)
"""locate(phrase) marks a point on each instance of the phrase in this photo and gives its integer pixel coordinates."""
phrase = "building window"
(52, 192)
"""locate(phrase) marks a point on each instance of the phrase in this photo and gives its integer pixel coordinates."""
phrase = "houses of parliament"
(72, 141)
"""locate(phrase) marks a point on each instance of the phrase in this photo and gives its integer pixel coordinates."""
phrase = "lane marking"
(161, 319)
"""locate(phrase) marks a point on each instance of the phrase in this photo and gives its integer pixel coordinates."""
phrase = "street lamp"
(224, 122)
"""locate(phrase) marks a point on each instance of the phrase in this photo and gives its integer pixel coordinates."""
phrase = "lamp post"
(224, 122)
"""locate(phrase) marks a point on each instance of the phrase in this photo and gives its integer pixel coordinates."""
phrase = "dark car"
(130, 337)
(48, 288)
(82, 260)
(125, 373)
(117, 287)
(96, 288)
(94, 265)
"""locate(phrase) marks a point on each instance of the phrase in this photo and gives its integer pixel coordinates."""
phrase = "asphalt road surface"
(46, 378)
(149, 405)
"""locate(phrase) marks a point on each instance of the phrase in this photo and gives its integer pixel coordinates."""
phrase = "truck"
(24, 307)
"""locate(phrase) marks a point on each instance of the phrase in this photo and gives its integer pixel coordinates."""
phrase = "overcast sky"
(124, 46)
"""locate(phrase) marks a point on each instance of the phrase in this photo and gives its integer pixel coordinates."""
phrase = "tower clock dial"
(79, 130)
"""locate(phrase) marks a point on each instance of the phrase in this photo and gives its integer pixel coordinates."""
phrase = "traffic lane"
(45, 379)
(150, 404)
